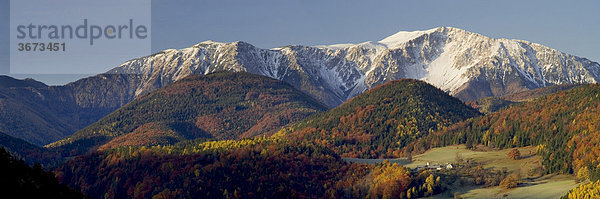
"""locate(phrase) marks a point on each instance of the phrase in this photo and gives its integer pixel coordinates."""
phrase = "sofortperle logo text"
(85, 30)
(77, 36)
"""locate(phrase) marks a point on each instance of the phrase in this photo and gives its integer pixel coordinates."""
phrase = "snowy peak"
(467, 65)
(403, 36)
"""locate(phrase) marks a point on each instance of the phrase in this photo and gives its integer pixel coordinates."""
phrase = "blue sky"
(569, 26)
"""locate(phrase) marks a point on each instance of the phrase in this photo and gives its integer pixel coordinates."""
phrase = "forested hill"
(222, 105)
(29, 153)
(381, 121)
(260, 167)
(564, 126)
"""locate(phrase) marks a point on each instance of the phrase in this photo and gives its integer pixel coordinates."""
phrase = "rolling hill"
(222, 105)
(382, 121)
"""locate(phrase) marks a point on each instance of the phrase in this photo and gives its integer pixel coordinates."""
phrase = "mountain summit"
(465, 64)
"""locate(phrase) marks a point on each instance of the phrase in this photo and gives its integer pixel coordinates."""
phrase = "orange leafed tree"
(514, 154)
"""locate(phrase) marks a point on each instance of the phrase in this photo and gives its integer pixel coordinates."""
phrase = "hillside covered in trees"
(222, 105)
(382, 121)
(587, 190)
(261, 167)
(564, 126)
(27, 152)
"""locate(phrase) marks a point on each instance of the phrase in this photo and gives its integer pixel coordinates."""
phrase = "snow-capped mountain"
(467, 65)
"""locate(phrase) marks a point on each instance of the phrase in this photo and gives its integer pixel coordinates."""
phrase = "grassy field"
(548, 186)
(492, 159)
(495, 159)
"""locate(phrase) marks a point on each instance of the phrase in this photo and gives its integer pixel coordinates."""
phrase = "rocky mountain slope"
(469, 66)
(41, 114)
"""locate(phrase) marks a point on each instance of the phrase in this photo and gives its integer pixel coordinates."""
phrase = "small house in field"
(434, 167)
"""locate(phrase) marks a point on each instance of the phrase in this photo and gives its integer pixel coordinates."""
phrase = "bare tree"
(459, 159)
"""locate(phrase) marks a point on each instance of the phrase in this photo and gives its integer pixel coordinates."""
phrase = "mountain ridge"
(468, 65)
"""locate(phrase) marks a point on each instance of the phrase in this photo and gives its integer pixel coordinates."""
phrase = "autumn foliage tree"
(514, 154)
(509, 182)
(390, 181)
(584, 191)
(583, 174)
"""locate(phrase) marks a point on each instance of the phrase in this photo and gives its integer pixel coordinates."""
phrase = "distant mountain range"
(467, 65)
